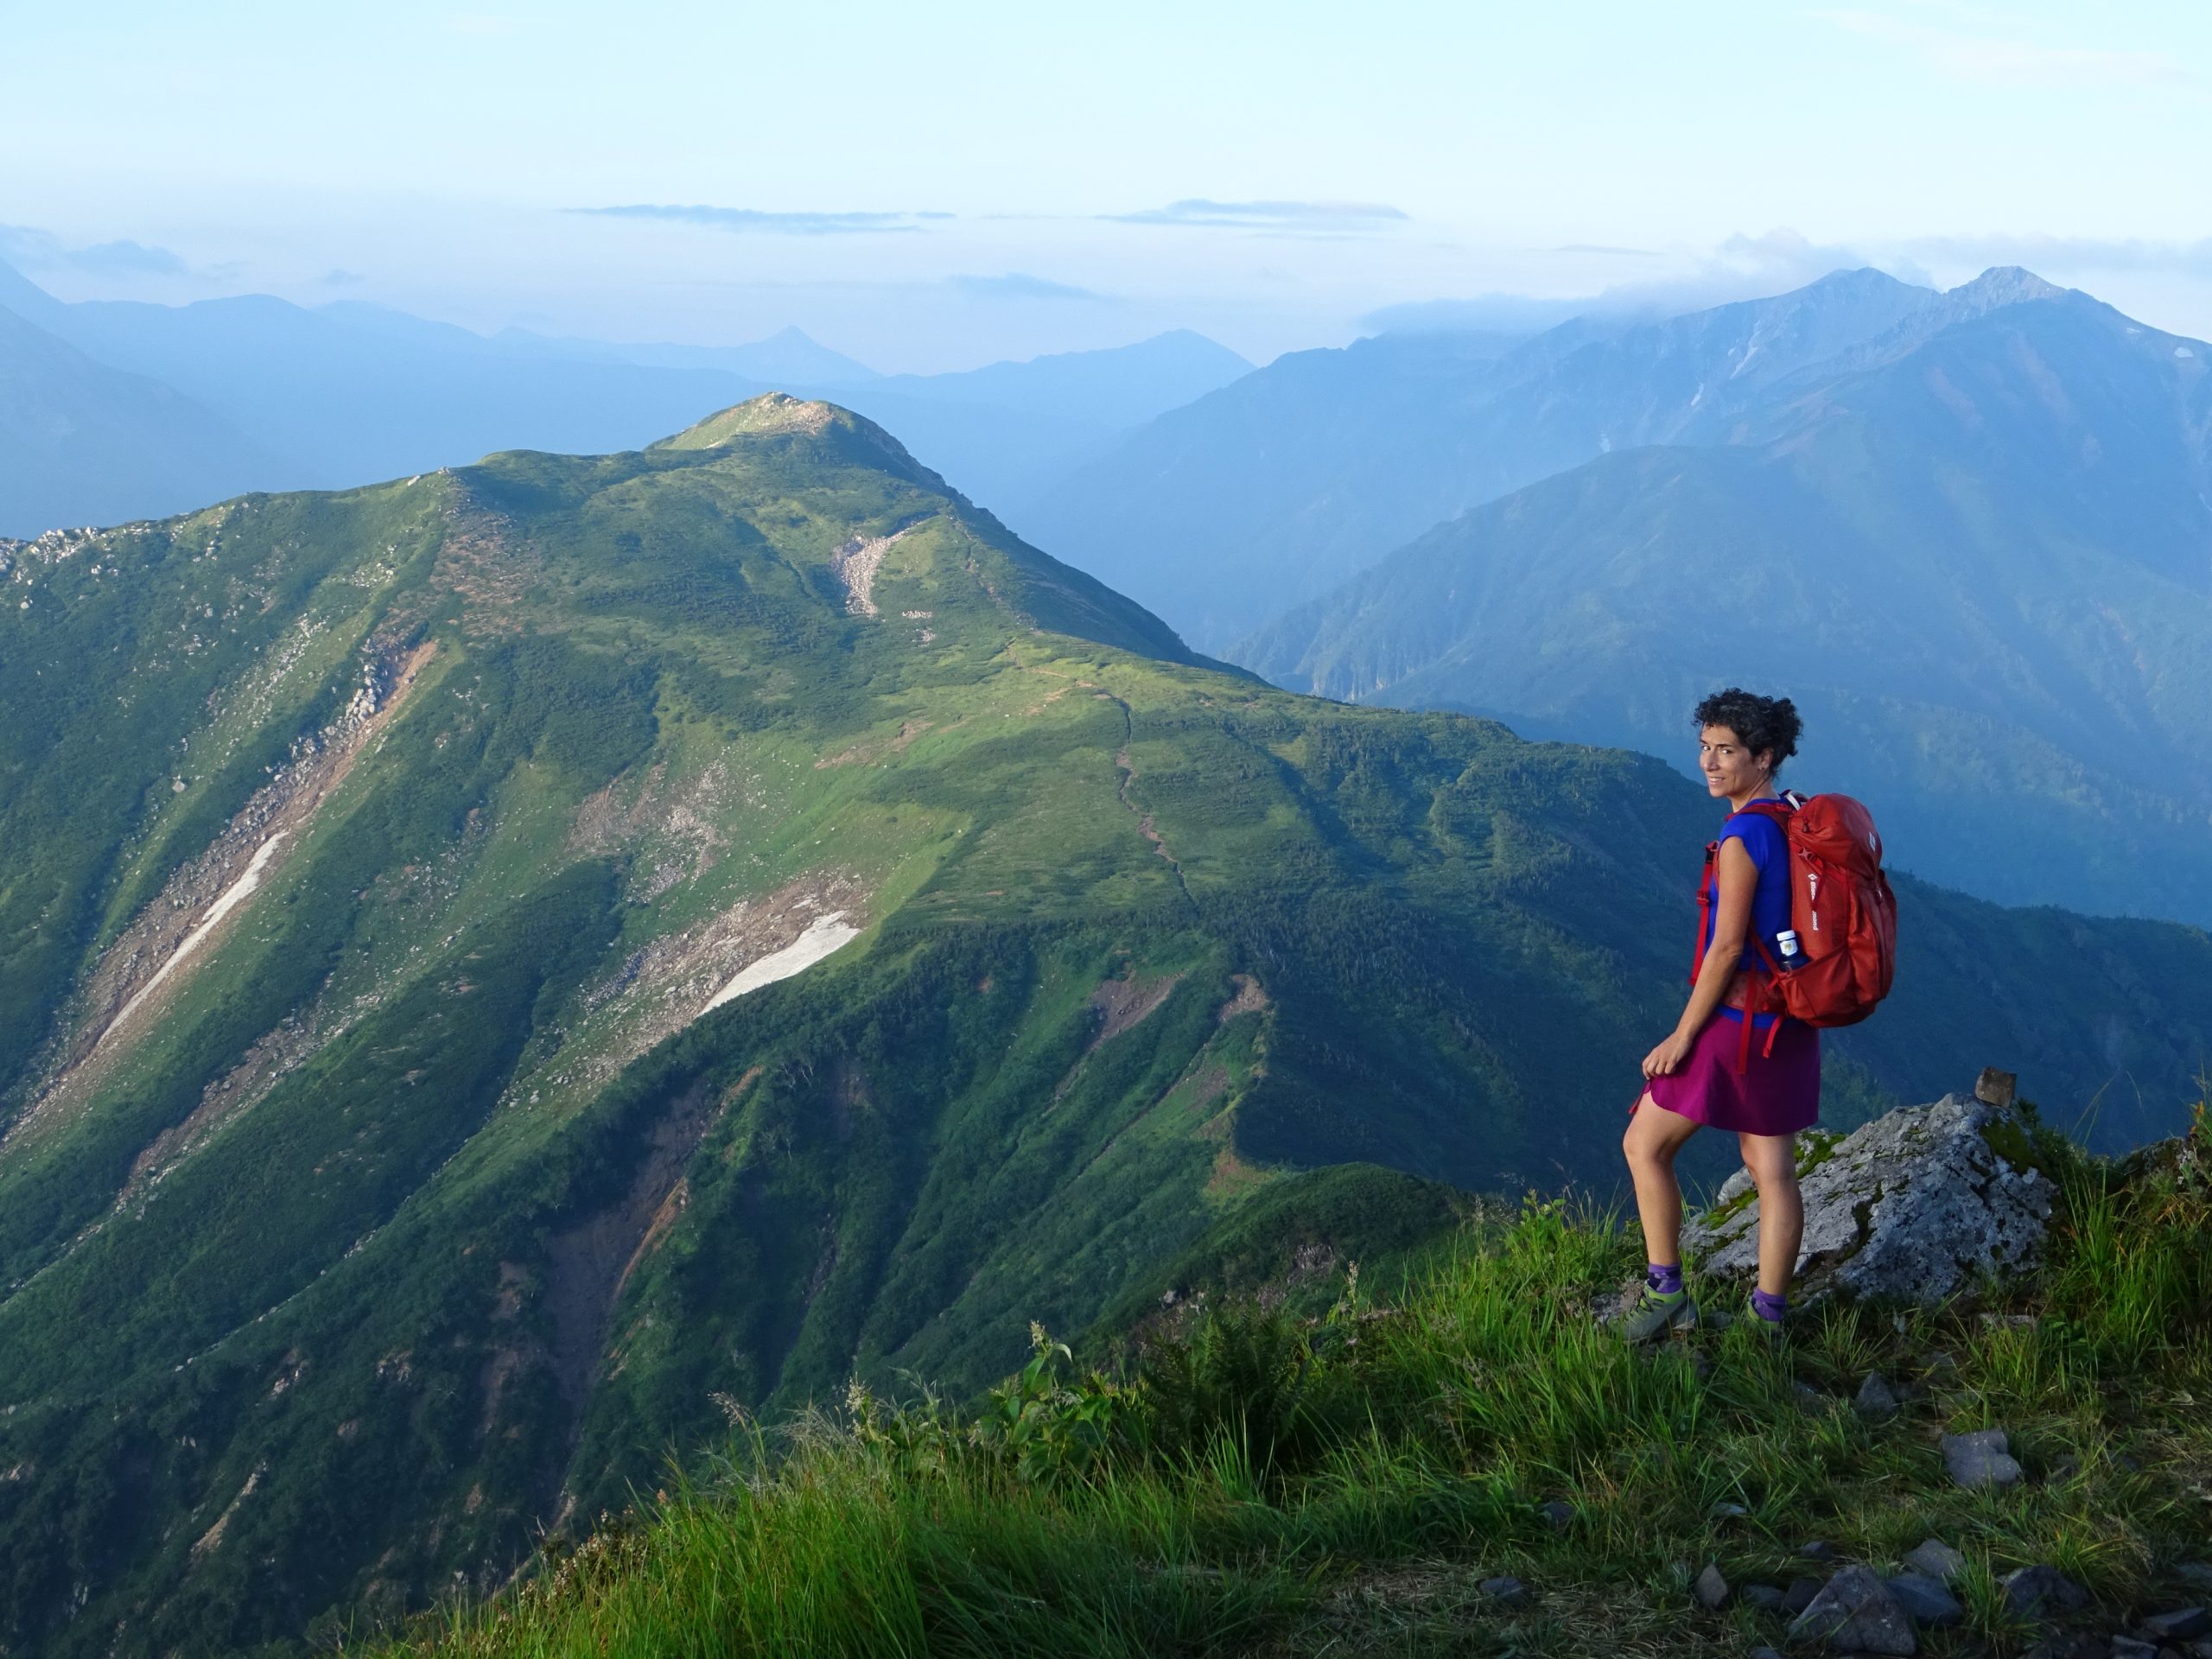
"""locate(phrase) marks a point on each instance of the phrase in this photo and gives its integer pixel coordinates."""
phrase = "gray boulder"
(1876, 1399)
(1927, 1601)
(1981, 1458)
(1856, 1613)
(2035, 1592)
(1917, 1205)
(1799, 1596)
(1934, 1559)
(2183, 1624)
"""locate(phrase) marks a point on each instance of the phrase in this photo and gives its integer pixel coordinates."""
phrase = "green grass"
(1340, 1485)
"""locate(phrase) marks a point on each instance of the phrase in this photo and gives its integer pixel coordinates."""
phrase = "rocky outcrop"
(1918, 1205)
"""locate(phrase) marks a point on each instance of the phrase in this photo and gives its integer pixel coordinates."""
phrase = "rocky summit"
(1918, 1205)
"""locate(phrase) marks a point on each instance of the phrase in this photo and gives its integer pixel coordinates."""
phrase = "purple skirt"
(1774, 1094)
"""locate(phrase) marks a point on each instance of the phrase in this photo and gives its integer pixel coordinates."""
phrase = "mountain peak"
(768, 415)
(778, 414)
(2003, 285)
(1863, 279)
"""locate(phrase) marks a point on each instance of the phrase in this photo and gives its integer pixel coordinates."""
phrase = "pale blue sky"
(432, 158)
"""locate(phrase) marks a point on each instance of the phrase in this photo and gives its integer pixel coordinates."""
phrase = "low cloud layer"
(1742, 267)
(759, 220)
(37, 250)
(1338, 217)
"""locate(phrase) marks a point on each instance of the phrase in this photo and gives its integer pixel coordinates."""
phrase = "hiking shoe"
(1773, 1331)
(1654, 1314)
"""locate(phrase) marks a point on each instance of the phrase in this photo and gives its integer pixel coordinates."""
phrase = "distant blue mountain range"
(123, 410)
(1969, 532)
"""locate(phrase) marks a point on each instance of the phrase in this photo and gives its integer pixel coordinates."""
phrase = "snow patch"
(231, 897)
(2183, 351)
(824, 936)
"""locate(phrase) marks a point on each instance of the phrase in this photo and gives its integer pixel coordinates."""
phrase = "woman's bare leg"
(1772, 1160)
(1655, 1135)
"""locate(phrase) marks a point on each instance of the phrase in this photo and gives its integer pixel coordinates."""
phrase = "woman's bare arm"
(1739, 879)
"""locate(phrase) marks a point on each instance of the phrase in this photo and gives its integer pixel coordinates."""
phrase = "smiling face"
(1731, 771)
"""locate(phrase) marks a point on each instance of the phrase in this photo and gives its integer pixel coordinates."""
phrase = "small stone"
(2202, 1649)
(1764, 1653)
(1715, 1318)
(2063, 1467)
(1701, 1367)
(2195, 1573)
(1936, 1559)
(1764, 1597)
(2126, 1647)
(2182, 1625)
(1507, 1592)
(1875, 1398)
(1728, 1512)
(1817, 1549)
(1855, 1613)
(1711, 1590)
(2034, 1590)
(1559, 1515)
(1927, 1600)
(1980, 1459)
(1995, 1088)
(1799, 1596)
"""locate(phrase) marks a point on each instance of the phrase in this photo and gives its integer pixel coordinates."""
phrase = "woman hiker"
(1766, 1085)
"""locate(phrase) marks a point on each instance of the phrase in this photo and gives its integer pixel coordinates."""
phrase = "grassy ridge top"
(385, 1182)
(1360, 1481)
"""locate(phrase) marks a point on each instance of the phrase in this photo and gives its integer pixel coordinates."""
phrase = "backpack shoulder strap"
(1706, 883)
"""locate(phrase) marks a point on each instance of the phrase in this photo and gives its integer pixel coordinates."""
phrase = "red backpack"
(1840, 904)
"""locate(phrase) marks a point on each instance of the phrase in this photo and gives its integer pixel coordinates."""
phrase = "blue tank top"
(1769, 845)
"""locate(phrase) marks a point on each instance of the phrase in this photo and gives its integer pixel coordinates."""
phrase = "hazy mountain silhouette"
(1277, 488)
(84, 443)
(345, 393)
(1981, 557)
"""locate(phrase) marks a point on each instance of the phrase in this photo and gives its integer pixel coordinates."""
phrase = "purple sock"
(1769, 1308)
(1665, 1280)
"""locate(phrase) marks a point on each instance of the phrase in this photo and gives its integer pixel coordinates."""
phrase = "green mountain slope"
(1982, 566)
(421, 1119)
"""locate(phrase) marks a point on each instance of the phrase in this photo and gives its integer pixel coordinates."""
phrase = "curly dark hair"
(1760, 724)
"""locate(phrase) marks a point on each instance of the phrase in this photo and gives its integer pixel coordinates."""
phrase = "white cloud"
(25, 245)
(1289, 217)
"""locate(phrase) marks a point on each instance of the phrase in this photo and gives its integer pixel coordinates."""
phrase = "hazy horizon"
(927, 196)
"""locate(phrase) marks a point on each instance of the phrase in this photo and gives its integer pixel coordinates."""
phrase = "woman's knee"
(1776, 1178)
(1646, 1151)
